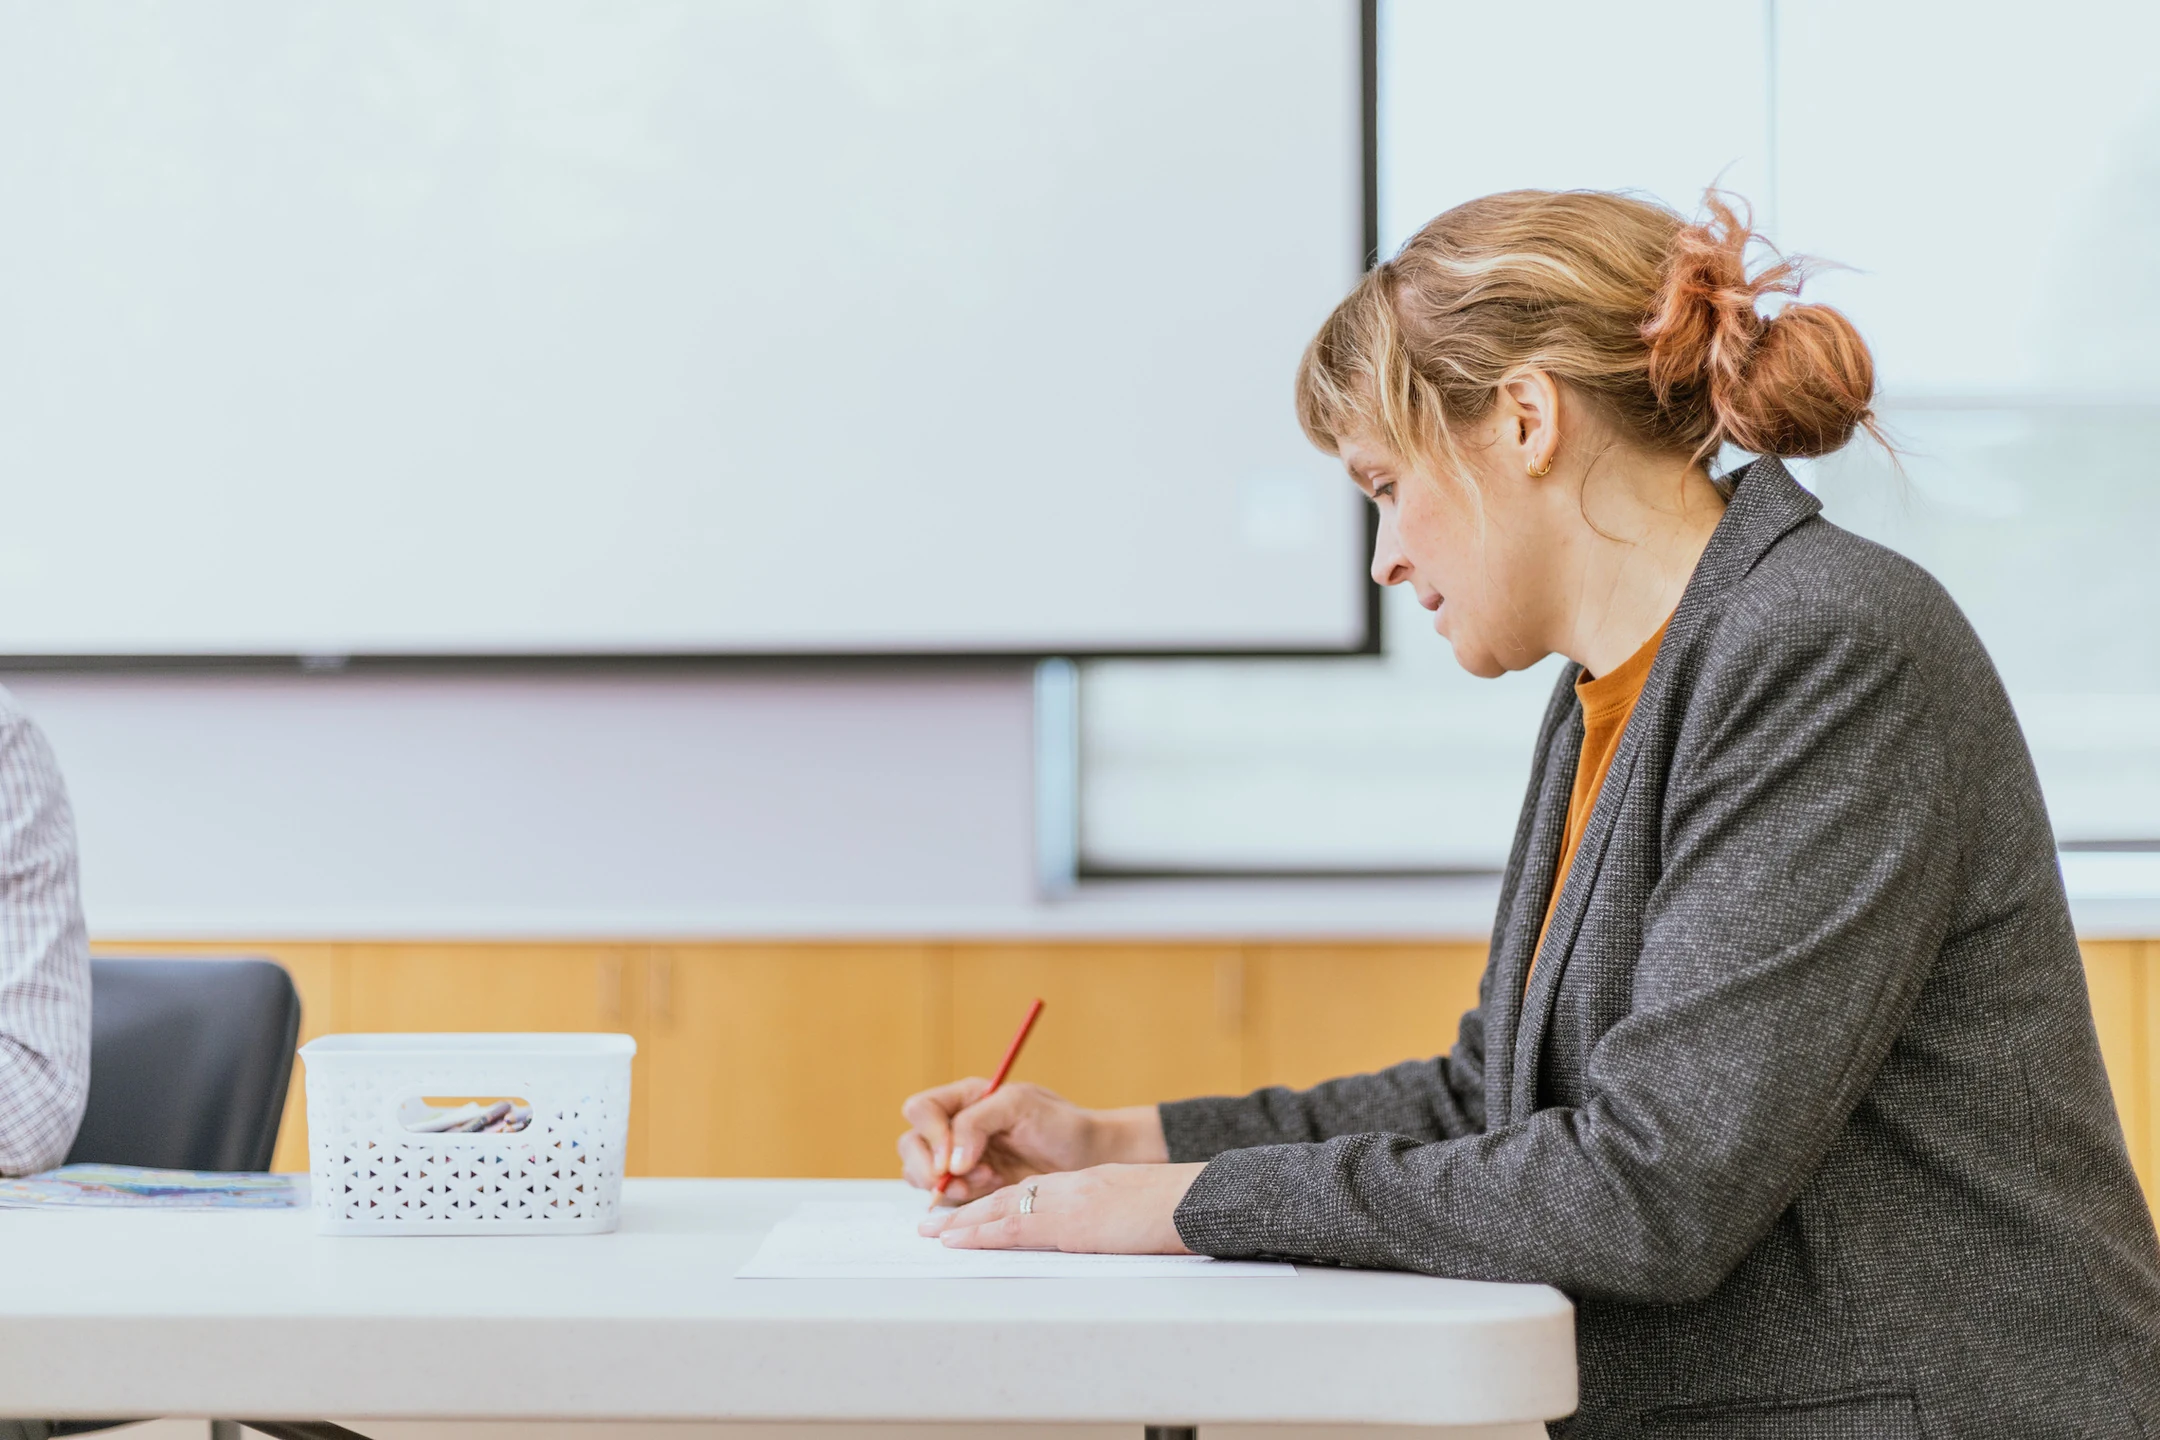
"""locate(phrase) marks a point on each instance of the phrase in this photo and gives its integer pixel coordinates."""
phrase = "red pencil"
(1012, 1053)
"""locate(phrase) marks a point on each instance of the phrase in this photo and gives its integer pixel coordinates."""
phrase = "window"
(2004, 283)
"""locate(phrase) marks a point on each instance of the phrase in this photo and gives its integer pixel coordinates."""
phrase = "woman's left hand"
(1104, 1210)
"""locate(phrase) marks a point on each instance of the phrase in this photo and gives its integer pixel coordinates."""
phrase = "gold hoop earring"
(1539, 472)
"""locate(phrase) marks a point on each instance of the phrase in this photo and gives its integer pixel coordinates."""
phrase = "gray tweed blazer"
(1804, 1104)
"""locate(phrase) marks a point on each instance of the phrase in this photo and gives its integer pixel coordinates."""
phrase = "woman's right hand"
(1021, 1130)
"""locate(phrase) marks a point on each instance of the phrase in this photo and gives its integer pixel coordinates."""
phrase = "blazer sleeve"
(1437, 1099)
(1806, 885)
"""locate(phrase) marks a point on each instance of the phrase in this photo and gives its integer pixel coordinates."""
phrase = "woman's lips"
(1431, 602)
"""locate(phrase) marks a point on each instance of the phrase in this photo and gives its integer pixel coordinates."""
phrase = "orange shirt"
(1606, 704)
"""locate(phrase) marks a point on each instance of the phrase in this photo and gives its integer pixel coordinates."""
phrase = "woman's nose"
(1388, 565)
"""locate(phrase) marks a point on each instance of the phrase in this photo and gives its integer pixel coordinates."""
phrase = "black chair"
(189, 1064)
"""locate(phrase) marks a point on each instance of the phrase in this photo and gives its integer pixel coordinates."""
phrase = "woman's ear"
(1530, 405)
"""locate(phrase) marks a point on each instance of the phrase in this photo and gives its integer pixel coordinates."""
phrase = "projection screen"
(443, 328)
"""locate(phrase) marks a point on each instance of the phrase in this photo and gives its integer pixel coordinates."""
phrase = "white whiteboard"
(438, 327)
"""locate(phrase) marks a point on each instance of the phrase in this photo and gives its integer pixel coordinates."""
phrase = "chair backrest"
(189, 1060)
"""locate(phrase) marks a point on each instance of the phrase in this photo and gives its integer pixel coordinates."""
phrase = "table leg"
(1172, 1432)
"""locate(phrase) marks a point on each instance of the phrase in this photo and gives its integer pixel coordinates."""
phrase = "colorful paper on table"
(131, 1187)
(871, 1240)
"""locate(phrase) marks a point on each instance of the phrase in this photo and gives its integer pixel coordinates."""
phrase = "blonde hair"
(1650, 316)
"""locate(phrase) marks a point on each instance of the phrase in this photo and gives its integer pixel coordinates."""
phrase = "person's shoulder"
(1821, 585)
(15, 722)
(26, 756)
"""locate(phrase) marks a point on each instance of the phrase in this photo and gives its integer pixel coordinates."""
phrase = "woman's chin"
(1485, 667)
(1475, 658)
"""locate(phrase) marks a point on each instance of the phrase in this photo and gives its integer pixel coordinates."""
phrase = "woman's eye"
(1384, 492)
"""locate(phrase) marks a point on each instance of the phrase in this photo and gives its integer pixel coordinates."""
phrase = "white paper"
(872, 1240)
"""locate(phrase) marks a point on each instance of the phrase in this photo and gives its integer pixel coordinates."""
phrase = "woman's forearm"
(1438, 1099)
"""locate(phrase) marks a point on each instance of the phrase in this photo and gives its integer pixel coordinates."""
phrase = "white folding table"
(252, 1314)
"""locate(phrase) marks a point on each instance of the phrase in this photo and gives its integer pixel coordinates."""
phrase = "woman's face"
(1470, 548)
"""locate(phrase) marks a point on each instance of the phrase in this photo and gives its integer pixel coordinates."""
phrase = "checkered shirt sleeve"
(44, 955)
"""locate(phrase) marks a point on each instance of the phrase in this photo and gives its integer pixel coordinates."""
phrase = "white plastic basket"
(560, 1175)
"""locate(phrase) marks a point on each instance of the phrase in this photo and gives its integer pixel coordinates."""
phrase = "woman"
(1782, 1064)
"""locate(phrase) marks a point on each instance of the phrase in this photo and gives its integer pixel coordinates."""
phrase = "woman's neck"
(1641, 524)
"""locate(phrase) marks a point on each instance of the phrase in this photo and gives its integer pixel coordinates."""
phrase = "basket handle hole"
(465, 1114)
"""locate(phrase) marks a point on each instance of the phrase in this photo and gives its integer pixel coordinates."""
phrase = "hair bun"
(1795, 383)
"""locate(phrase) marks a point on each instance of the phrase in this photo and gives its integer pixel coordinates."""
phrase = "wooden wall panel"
(788, 1059)
(2118, 979)
(1124, 1024)
(1325, 1010)
(490, 987)
(2149, 1063)
(792, 1059)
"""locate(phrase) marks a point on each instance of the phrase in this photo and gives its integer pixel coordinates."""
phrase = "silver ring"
(1027, 1201)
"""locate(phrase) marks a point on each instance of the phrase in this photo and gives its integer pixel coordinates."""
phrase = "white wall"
(355, 805)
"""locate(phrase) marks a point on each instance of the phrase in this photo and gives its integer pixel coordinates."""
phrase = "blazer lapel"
(1766, 503)
(1535, 853)
(1567, 919)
